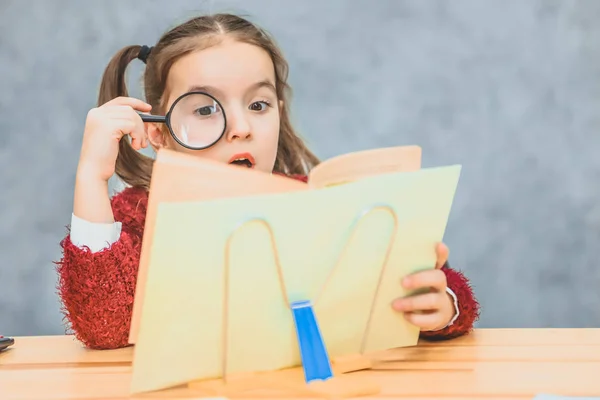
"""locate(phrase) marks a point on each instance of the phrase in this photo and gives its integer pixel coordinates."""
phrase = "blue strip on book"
(315, 360)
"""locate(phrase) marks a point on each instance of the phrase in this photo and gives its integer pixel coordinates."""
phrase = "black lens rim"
(177, 100)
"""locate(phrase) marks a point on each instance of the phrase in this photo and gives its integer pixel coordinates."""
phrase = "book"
(226, 251)
(181, 177)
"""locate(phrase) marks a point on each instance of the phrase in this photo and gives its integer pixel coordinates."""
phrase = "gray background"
(508, 89)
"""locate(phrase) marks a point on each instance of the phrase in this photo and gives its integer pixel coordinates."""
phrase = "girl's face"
(242, 77)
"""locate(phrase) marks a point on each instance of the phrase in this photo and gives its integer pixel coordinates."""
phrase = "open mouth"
(242, 160)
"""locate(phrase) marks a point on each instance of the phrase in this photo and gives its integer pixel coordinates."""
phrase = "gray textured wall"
(508, 88)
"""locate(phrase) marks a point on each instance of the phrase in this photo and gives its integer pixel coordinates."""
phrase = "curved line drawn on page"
(352, 230)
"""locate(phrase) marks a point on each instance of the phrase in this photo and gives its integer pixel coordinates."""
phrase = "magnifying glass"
(196, 120)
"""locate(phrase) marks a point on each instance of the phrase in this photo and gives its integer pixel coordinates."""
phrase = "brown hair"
(134, 168)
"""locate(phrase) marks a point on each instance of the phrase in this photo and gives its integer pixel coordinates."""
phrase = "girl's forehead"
(230, 66)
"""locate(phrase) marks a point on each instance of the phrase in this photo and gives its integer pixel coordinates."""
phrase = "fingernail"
(406, 281)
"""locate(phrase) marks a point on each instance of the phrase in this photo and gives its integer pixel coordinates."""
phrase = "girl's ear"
(155, 136)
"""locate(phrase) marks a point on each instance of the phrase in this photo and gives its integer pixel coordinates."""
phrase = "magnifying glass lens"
(197, 120)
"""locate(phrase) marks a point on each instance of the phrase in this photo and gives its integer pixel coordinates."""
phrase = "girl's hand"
(434, 309)
(104, 128)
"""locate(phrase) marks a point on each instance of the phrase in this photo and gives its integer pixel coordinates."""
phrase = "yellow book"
(229, 249)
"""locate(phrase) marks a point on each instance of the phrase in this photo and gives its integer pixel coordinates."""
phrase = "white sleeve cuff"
(96, 236)
(451, 293)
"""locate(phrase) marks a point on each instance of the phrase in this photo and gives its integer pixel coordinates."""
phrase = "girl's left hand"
(433, 310)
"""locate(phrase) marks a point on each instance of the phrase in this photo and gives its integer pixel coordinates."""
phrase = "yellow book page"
(362, 164)
(192, 299)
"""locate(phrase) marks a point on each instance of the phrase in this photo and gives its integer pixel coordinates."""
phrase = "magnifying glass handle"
(153, 118)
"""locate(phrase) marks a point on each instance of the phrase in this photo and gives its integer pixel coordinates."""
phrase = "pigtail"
(293, 156)
(134, 168)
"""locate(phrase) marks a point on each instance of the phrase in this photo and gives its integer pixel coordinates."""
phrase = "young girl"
(241, 66)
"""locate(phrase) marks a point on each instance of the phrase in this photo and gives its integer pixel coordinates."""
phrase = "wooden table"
(489, 363)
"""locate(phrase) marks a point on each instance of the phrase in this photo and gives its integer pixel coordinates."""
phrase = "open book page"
(357, 165)
(178, 177)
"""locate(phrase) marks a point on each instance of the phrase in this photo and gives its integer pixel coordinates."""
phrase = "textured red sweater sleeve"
(467, 305)
(97, 289)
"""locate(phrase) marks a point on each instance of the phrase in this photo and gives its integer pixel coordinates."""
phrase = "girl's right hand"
(104, 128)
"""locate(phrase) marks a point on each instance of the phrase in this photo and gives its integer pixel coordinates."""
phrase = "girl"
(239, 64)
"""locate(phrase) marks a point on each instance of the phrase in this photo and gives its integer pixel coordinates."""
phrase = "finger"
(433, 278)
(139, 134)
(136, 104)
(442, 252)
(121, 127)
(423, 302)
(135, 130)
(120, 111)
(427, 321)
(145, 140)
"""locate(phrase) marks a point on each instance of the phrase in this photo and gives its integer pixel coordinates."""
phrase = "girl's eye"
(259, 106)
(207, 110)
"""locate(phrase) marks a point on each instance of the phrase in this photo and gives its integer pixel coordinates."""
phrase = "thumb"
(441, 250)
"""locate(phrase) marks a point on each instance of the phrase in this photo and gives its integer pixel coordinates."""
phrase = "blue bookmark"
(315, 359)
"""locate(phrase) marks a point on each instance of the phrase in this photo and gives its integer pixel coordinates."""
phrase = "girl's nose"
(238, 127)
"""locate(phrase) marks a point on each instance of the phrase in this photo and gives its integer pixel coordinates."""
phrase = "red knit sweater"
(97, 289)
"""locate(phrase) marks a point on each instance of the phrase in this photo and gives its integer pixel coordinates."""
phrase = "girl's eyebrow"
(263, 84)
(217, 92)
